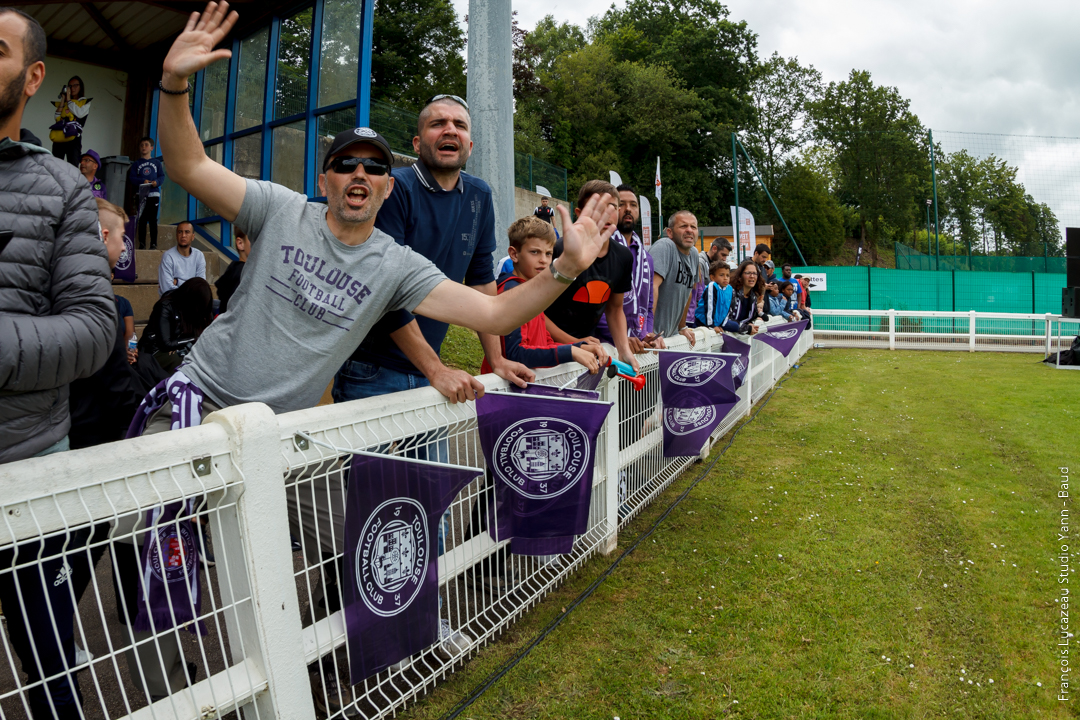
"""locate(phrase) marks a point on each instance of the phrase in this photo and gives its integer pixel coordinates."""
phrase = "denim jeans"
(357, 380)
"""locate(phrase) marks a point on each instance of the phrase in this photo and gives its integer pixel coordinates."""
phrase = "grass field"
(881, 542)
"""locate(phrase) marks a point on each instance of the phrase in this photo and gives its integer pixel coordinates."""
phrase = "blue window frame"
(292, 122)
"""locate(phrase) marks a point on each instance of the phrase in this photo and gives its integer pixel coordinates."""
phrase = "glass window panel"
(247, 156)
(173, 207)
(340, 52)
(328, 126)
(214, 229)
(215, 82)
(215, 153)
(294, 58)
(251, 81)
(288, 165)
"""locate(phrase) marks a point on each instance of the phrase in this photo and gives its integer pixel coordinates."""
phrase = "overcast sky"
(969, 65)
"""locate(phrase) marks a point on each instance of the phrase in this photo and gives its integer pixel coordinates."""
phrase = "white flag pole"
(659, 202)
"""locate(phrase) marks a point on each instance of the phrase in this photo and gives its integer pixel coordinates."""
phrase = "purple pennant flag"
(783, 337)
(125, 266)
(540, 452)
(169, 589)
(686, 378)
(741, 364)
(392, 516)
(686, 430)
(589, 381)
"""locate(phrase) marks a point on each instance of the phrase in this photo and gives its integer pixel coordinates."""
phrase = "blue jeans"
(357, 380)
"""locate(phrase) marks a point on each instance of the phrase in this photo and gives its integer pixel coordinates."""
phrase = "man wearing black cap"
(317, 278)
(447, 216)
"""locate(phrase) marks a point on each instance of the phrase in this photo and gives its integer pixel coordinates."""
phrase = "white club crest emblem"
(392, 555)
(683, 421)
(541, 457)
(124, 260)
(365, 132)
(738, 367)
(783, 334)
(695, 370)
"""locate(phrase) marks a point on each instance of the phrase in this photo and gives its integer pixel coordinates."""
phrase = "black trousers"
(148, 218)
(70, 150)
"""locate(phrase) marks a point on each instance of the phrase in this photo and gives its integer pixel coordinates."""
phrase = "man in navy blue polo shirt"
(447, 216)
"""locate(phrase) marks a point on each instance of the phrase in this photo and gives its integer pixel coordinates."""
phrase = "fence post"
(869, 291)
(892, 329)
(1033, 310)
(268, 623)
(971, 331)
(611, 470)
(1049, 323)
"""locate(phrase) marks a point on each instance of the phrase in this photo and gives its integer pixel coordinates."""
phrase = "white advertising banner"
(816, 281)
(646, 221)
(746, 239)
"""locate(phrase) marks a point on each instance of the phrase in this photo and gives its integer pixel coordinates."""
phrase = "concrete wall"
(107, 87)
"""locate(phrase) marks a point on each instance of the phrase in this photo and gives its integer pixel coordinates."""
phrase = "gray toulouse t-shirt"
(304, 303)
(680, 273)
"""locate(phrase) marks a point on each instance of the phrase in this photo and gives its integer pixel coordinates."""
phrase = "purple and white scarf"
(169, 588)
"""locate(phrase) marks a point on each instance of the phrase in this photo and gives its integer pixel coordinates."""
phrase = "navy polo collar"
(428, 180)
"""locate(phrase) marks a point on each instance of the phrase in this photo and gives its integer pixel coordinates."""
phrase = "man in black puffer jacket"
(57, 313)
(57, 324)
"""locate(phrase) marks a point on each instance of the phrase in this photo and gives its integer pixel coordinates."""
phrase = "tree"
(779, 126)
(811, 212)
(416, 52)
(877, 144)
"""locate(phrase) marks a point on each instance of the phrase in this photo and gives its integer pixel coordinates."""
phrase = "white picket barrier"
(275, 642)
(966, 331)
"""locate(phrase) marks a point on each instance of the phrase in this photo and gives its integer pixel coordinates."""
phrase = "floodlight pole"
(780, 215)
(933, 179)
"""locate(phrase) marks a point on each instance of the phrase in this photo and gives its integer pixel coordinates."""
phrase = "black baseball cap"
(358, 135)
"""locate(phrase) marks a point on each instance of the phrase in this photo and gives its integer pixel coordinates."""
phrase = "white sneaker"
(452, 642)
(82, 657)
(401, 664)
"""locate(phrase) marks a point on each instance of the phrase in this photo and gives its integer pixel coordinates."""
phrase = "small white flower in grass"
(969, 682)
(991, 681)
(1038, 684)
(963, 671)
(945, 585)
(911, 665)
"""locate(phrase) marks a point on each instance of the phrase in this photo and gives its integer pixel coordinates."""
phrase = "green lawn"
(880, 542)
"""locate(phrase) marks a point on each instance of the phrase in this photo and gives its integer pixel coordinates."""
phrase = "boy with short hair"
(713, 307)
(532, 244)
(790, 308)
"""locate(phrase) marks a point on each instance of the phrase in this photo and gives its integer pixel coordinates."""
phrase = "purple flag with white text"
(741, 364)
(686, 377)
(540, 452)
(783, 337)
(687, 429)
(391, 591)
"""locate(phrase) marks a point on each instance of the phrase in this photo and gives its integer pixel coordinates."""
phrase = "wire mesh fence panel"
(396, 125)
(1048, 292)
(909, 290)
(994, 292)
(847, 288)
(908, 258)
(114, 596)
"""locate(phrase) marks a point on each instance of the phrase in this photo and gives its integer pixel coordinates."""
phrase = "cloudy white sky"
(997, 66)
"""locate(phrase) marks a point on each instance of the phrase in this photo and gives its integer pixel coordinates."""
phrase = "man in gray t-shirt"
(675, 269)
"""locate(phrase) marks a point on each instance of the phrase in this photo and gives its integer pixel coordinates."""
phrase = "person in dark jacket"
(57, 324)
(749, 289)
(230, 279)
(176, 322)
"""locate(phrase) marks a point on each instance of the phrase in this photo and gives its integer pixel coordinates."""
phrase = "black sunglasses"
(347, 165)
(455, 98)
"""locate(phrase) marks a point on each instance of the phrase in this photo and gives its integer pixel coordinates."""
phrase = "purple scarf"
(169, 588)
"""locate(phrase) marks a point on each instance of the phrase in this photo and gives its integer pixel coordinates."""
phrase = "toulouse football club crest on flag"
(687, 429)
(687, 377)
(169, 590)
(741, 364)
(125, 266)
(540, 453)
(782, 338)
(391, 592)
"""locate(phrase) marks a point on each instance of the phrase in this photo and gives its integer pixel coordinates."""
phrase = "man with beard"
(638, 302)
(447, 216)
(57, 324)
(317, 280)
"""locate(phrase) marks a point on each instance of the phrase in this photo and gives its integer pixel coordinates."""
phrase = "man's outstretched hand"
(583, 240)
(194, 49)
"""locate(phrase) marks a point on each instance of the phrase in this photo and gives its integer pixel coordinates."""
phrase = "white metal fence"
(967, 331)
(274, 645)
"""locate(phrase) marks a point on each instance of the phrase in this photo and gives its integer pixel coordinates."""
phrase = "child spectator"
(532, 244)
(714, 305)
(148, 171)
(790, 308)
(127, 315)
(804, 299)
(775, 302)
(748, 287)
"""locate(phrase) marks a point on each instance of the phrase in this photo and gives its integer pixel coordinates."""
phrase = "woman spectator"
(176, 322)
(72, 111)
(749, 288)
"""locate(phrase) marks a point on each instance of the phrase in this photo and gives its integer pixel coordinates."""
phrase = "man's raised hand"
(194, 49)
(583, 240)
